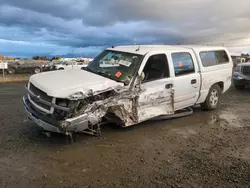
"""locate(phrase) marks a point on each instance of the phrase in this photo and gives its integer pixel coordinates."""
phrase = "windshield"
(119, 66)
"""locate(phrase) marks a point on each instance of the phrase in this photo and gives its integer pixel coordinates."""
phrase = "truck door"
(187, 79)
(156, 97)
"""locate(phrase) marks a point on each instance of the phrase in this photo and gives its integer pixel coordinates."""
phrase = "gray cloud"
(58, 8)
(78, 23)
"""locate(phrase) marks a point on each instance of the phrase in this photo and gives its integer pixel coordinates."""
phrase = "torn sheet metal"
(128, 106)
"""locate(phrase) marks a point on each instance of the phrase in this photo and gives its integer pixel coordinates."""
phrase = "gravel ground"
(207, 149)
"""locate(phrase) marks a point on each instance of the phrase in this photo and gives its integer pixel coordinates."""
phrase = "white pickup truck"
(150, 82)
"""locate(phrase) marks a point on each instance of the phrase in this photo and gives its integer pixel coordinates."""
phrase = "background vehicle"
(68, 65)
(31, 67)
(241, 76)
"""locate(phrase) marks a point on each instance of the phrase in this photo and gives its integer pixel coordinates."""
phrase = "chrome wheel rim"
(214, 98)
(37, 71)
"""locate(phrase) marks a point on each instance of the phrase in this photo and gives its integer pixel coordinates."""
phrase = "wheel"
(37, 70)
(240, 87)
(11, 71)
(212, 101)
(61, 69)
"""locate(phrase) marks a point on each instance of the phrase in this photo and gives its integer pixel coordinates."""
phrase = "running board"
(176, 115)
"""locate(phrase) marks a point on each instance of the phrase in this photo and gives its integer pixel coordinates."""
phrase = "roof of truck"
(143, 49)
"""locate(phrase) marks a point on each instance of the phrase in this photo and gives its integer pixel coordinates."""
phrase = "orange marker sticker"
(180, 64)
(118, 74)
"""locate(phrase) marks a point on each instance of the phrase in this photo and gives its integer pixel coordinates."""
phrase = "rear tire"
(212, 101)
(37, 70)
(240, 87)
(11, 71)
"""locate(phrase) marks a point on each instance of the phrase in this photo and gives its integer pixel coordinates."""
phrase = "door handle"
(168, 86)
(194, 81)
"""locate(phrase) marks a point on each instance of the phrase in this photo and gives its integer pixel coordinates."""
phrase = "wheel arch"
(205, 92)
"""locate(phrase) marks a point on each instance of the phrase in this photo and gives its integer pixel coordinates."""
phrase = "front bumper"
(45, 69)
(241, 82)
(47, 123)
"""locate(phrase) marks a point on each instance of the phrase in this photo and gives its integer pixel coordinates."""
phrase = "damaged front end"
(79, 112)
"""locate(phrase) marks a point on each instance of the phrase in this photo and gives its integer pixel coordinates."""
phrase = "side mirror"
(140, 79)
(142, 76)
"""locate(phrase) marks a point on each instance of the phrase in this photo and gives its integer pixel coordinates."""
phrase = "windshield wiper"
(107, 75)
(103, 73)
(88, 69)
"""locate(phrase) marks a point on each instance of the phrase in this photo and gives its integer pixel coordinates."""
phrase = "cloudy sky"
(60, 27)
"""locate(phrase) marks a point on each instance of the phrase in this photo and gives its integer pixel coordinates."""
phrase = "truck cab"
(146, 82)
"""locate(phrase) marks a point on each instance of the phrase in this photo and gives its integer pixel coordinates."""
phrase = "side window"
(156, 68)
(211, 58)
(221, 57)
(183, 63)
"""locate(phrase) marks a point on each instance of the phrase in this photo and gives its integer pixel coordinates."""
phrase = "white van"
(150, 82)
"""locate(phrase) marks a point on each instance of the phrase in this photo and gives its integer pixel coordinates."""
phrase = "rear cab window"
(216, 57)
(183, 63)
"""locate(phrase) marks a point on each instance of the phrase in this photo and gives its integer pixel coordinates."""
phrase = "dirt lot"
(13, 78)
(207, 149)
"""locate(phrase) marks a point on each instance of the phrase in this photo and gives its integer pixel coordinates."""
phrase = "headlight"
(238, 77)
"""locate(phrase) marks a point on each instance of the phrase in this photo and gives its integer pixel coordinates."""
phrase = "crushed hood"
(62, 84)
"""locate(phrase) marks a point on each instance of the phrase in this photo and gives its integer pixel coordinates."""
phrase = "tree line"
(44, 58)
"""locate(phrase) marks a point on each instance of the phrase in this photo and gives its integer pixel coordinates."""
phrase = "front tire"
(37, 70)
(212, 101)
(11, 71)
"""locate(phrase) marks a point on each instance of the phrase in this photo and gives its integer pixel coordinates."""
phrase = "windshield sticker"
(180, 64)
(118, 74)
(124, 63)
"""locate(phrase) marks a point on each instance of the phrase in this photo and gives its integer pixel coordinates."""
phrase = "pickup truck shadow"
(109, 131)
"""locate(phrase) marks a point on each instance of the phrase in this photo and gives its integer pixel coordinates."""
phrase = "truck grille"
(245, 70)
(42, 95)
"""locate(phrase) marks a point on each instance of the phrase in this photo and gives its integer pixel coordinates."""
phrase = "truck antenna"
(134, 41)
(138, 48)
